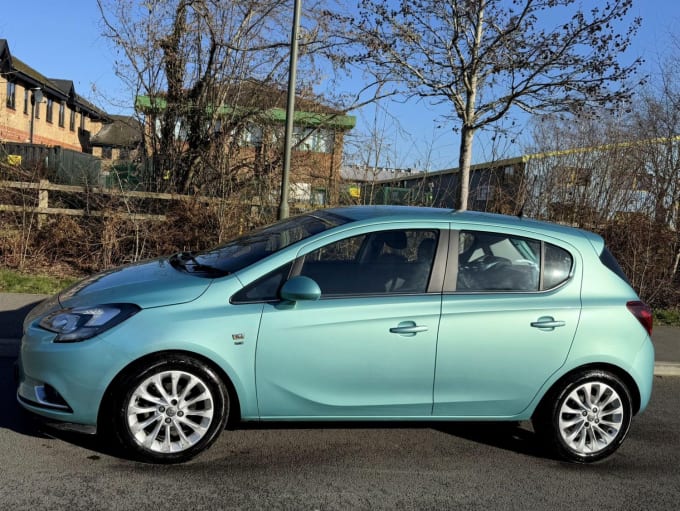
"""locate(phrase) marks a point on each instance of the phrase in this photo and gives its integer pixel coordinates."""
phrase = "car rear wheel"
(170, 410)
(586, 418)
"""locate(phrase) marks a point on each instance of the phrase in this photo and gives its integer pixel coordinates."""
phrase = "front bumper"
(63, 382)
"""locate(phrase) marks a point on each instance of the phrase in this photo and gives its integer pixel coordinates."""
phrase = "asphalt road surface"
(428, 466)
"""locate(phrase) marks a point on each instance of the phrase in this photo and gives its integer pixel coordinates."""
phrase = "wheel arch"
(235, 405)
(622, 374)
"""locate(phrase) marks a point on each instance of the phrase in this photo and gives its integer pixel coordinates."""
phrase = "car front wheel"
(587, 417)
(170, 410)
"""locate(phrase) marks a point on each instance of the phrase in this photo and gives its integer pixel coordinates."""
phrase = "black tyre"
(586, 417)
(169, 410)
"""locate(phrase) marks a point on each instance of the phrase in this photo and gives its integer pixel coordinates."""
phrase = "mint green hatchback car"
(350, 314)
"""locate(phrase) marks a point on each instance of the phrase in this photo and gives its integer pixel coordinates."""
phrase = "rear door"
(509, 315)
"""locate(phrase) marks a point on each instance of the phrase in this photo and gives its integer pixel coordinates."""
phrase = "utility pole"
(290, 111)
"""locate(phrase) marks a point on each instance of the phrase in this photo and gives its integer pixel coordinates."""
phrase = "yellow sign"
(14, 159)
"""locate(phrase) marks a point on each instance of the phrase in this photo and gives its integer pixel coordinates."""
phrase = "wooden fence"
(44, 187)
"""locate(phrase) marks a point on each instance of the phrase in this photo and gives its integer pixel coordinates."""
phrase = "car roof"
(369, 213)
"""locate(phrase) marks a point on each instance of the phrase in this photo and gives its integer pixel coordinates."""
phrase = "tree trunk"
(464, 160)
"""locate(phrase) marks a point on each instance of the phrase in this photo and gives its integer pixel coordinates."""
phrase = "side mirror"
(300, 288)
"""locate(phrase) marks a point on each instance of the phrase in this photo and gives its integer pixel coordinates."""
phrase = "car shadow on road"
(514, 436)
(518, 437)
(11, 321)
(13, 417)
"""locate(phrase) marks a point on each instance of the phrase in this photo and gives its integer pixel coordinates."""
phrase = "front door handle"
(547, 323)
(408, 328)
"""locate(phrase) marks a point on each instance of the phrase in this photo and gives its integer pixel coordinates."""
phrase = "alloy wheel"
(591, 417)
(170, 411)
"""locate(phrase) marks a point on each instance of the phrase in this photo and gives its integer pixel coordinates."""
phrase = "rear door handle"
(408, 328)
(547, 323)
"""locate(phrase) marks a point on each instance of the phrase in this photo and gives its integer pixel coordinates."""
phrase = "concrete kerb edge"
(666, 369)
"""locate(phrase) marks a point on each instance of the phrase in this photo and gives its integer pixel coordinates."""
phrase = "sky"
(62, 39)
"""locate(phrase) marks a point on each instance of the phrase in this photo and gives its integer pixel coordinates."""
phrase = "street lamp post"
(290, 111)
(36, 97)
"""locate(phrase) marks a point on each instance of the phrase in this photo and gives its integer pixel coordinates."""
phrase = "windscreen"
(256, 245)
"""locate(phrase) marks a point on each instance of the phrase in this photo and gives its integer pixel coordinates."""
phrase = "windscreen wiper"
(188, 262)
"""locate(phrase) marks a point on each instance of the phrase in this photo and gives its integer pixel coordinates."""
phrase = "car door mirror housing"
(300, 288)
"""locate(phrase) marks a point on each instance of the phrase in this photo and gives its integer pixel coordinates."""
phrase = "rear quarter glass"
(610, 262)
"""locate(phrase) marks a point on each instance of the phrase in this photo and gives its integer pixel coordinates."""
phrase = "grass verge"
(670, 317)
(15, 282)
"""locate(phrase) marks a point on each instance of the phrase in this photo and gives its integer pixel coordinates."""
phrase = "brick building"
(253, 116)
(61, 117)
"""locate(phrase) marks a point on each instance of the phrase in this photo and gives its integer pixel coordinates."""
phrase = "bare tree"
(484, 57)
(204, 72)
(657, 115)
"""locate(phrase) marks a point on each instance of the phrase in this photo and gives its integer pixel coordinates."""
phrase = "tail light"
(643, 313)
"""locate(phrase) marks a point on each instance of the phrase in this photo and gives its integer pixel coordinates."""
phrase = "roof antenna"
(520, 215)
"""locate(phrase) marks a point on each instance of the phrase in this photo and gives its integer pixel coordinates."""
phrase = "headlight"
(80, 323)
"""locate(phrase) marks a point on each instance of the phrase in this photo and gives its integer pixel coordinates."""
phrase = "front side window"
(11, 95)
(384, 262)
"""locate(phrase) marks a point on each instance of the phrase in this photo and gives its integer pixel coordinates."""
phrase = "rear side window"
(610, 262)
(556, 267)
(499, 262)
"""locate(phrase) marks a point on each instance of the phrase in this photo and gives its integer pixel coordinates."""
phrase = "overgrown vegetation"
(107, 234)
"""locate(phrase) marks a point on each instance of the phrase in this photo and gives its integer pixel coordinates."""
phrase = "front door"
(367, 348)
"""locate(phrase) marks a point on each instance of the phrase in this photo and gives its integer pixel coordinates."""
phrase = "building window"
(485, 192)
(315, 140)
(26, 101)
(11, 95)
(37, 110)
(107, 152)
(82, 121)
(62, 114)
(72, 121)
(576, 176)
(50, 110)
(252, 135)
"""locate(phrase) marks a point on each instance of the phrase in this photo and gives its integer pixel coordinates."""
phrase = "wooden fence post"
(43, 201)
